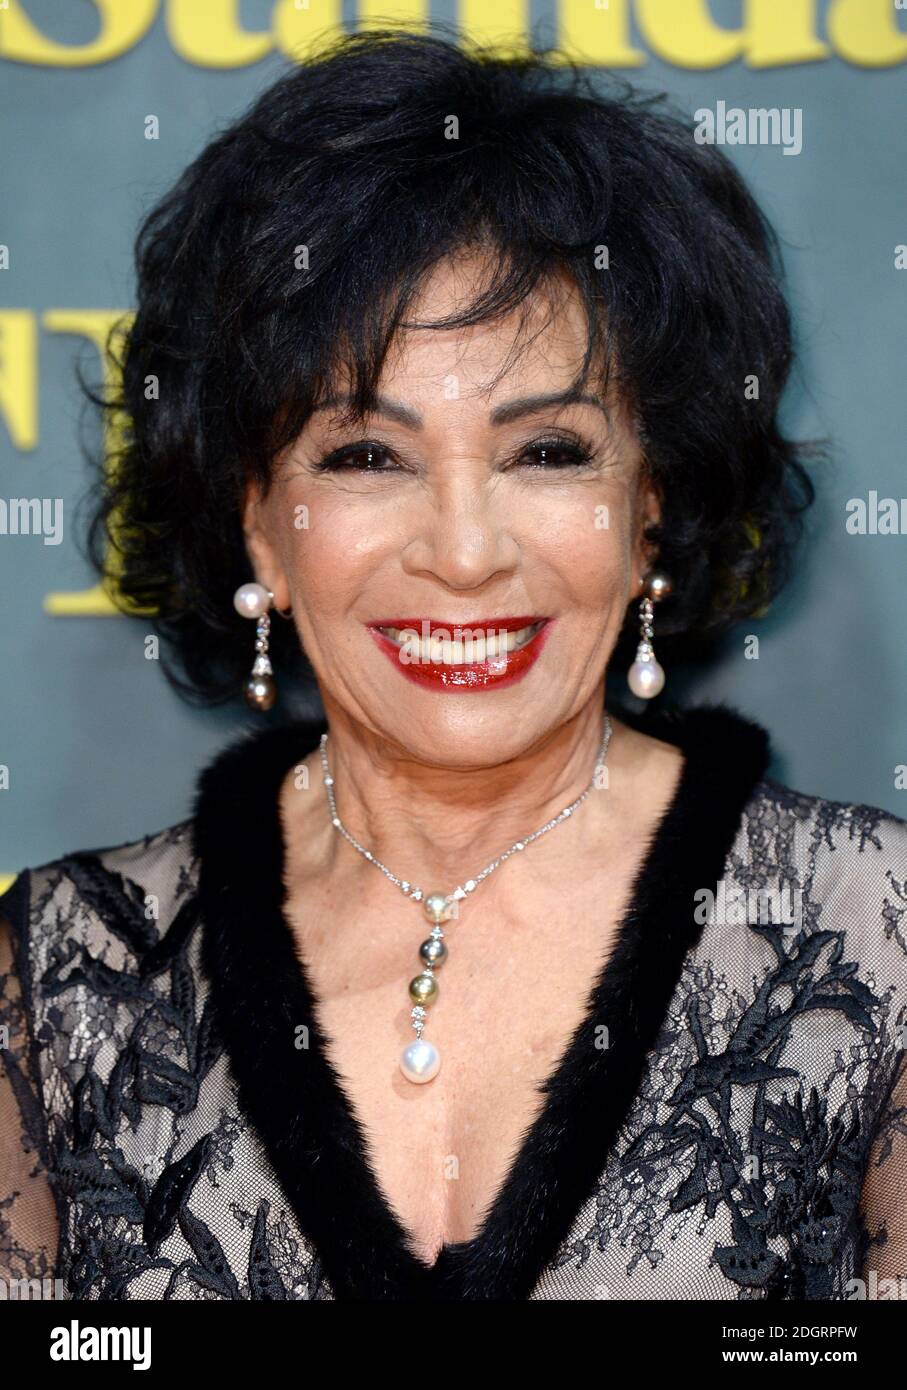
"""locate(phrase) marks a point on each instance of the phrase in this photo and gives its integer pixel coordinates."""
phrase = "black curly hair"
(347, 156)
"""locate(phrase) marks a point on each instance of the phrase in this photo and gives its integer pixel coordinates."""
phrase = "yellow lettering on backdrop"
(785, 33)
(210, 36)
(503, 25)
(389, 14)
(867, 33)
(298, 27)
(123, 22)
(599, 36)
(19, 376)
(684, 33)
(95, 325)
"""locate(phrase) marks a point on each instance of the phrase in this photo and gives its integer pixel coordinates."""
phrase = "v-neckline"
(295, 1099)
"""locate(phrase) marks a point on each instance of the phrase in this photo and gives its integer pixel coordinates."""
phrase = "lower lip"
(493, 673)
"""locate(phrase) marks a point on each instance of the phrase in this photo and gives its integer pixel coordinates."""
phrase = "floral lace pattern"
(738, 1173)
(741, 1128)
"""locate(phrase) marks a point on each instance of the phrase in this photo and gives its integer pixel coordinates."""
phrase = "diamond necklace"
(420, 1061)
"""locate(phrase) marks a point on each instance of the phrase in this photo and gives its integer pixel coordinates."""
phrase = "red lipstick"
(417, 650)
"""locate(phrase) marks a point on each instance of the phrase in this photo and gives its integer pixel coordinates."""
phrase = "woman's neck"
(448, 818)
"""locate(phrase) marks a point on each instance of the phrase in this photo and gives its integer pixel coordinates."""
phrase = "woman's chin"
(466, 734)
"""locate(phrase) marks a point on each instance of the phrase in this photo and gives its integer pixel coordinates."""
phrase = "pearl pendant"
(260, 692)
(423, 989)
(433, 952)
(437, 907)
(420, 1062)
(251, 600)
(646, 679)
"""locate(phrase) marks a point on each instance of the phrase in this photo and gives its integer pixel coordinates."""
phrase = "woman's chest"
(514, 987)
(674, 1210)
(714, 1172)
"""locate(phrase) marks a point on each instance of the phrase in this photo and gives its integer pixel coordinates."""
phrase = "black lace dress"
(742, 1136)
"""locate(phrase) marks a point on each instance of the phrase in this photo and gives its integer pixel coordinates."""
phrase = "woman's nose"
(461, 536)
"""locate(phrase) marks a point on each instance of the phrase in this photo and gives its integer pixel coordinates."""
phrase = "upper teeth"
(451, 652)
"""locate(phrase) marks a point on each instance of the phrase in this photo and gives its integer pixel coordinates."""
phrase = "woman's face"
(474, 498)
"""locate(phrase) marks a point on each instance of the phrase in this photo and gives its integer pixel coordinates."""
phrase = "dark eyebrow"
(528, 405)
(393, 410)
(501, 415)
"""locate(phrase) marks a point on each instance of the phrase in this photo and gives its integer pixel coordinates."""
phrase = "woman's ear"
(257, 525)
(645, 553)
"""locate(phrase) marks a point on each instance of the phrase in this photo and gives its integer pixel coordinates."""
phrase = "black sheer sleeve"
(885, 1194)
(28, 1218)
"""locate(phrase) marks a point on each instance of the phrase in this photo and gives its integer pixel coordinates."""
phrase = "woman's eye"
(359, 458)
(554, 454)
(376, 458)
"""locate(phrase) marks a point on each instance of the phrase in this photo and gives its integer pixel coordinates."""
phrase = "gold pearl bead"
(423, 989)
(436, 907)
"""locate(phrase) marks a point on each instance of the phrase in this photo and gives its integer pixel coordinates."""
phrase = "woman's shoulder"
(134, 890)
(842, 864)
(784, 813)
(127, 894)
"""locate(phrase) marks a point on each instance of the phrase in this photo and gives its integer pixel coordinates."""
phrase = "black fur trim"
(293, 1096)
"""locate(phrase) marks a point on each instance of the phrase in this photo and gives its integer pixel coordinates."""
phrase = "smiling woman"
(451, 357)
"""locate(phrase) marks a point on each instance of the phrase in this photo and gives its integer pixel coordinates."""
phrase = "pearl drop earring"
(646, 677)
(253, 601)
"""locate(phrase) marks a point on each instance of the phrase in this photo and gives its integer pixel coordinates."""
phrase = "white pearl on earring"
(646, 679)
(251, 600)
(420, 1062)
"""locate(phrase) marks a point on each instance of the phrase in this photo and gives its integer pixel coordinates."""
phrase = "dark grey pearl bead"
(433, 951)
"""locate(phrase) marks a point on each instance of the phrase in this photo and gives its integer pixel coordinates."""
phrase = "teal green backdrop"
(95, 748)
